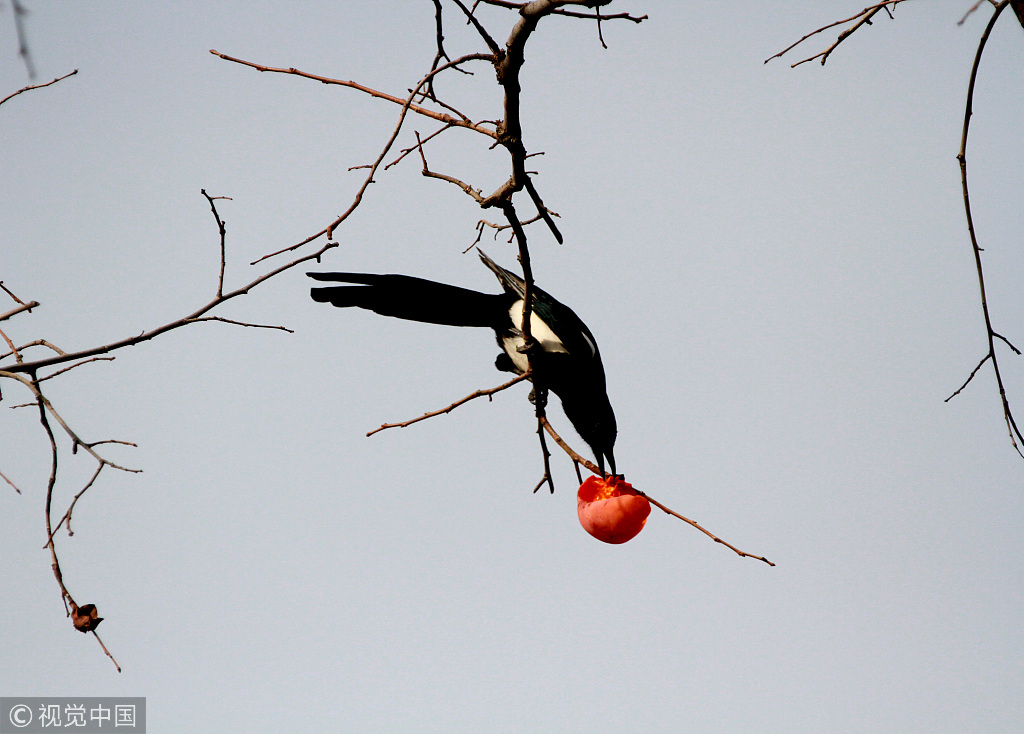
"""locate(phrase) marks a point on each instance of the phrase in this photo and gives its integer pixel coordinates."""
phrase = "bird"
(566, 361)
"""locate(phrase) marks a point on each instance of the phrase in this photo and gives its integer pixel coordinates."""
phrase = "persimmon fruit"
(610, 509)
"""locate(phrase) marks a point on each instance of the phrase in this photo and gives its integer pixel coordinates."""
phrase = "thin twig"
(36, 343)
(970, 10)
(453, 406)
(970, 377)
(10, 345)
(704, 530)
(497, 50)
(96, 635)
(6, 290)
(239, 323)
(37, 86)
(29, 367)
(864, 15)
(406, 106)
(76, 441)
(1011, 424)
(71, 508)
(410, 149)
(548, 477)
(222, 229)
(76, 364)
(50, 484)
(475, 193)
(567, 13)
(406, 103)
(594, 470)
(4, 477)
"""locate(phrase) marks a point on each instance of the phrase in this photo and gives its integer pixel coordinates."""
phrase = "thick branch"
(15, 311)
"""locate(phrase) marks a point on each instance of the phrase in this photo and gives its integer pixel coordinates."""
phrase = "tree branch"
(594, 470)
(1011, 424)
(863, 18)
(406, 103)
(38, 86)
(472, 396)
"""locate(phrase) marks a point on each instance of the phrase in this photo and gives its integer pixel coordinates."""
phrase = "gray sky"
(774, 261)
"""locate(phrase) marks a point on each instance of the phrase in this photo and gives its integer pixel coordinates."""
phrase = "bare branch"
(4, 477)
(71, 507)
(31, 367)
(37, 86)
(222, 229)
(76, 441)
(862, 18)
(707, 532)
(1011, 424)
(15, 311)
(77, 364)
(239, 323)
(112, 659)
(548, 478)
(497, 50)
(475, 193)
(542, 211)
(568, 13)
(43, 404)
(472, 396)
(10, 345)
(406, 103)
(6, 290)
(971, 10)
(1006, 342)
(594, 470)
(970, 377)
(410, 149)
(36, 343)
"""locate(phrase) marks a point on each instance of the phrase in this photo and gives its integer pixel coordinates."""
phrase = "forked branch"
(1016, 440)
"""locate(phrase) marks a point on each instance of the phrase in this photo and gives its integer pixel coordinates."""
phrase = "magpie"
(566, 361)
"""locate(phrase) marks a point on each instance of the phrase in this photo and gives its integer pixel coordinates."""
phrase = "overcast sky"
(774, 261)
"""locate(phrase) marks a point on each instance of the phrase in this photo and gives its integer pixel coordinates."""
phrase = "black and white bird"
(567, 362)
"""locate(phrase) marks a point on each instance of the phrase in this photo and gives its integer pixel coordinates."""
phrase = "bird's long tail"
(414, 299)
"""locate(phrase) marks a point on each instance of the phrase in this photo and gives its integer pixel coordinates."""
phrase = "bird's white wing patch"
(540, 331)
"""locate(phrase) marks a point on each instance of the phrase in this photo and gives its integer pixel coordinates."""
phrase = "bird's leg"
(539, 397)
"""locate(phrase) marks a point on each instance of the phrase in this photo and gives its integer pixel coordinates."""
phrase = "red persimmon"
(610, 509)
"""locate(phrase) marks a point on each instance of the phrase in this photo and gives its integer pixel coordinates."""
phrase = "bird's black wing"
(562, 320)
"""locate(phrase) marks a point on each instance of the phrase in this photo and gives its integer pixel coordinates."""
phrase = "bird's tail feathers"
(413, 299)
